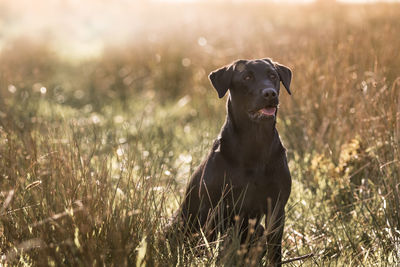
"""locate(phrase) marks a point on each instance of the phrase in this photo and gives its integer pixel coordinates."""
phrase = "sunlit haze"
(82, 28)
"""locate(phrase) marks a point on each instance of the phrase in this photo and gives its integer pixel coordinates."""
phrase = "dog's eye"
(247, 77)
(272, 76)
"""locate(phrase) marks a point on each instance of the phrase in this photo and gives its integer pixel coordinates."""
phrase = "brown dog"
(245, 176)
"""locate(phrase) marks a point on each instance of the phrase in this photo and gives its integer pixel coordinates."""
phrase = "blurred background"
(83, 29)
(106, 110)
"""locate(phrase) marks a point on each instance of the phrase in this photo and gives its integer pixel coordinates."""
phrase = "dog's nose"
(269, 93)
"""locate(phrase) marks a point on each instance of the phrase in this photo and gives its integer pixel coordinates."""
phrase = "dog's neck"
(248, 143)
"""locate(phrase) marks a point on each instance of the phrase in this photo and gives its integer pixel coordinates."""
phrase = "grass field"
(95, 153)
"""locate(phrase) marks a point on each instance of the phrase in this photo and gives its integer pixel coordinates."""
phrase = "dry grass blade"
(57, 216)
(298, 258)
(32, 185)
(7, 201)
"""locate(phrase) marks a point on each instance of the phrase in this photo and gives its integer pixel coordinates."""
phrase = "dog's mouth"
(263, 113)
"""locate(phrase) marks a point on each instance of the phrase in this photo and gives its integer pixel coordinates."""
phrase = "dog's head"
(253, 86)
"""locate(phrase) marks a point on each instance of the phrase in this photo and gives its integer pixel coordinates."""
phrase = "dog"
(245, 176)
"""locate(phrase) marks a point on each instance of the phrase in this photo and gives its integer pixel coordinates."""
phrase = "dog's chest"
(256, 176)
(256, 186)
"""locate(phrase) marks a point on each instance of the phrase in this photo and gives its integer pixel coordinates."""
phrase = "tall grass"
(92, 166)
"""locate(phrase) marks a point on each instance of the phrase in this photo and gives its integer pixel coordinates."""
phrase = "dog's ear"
(285, 74)
(221, 79)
